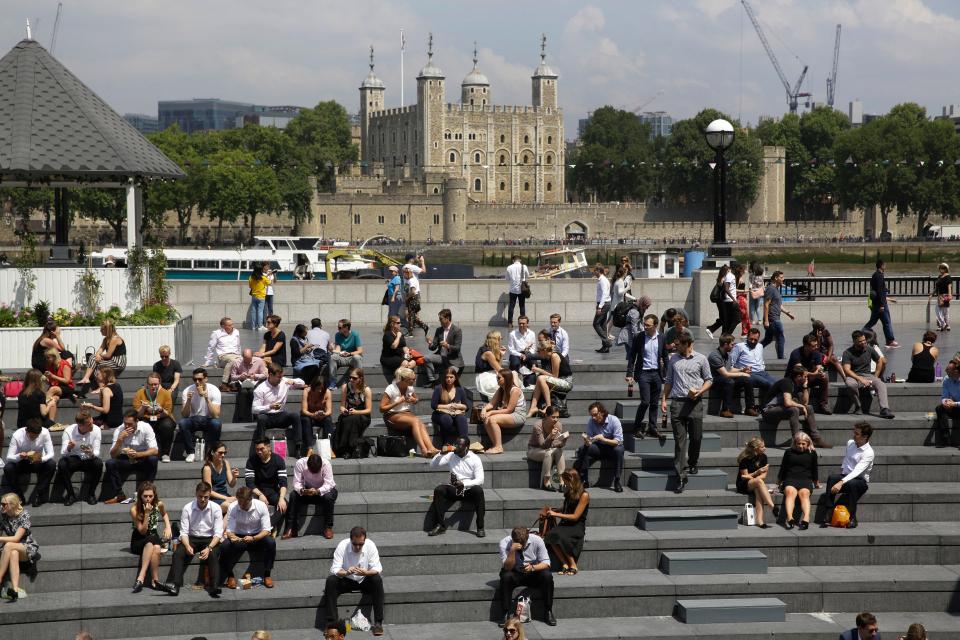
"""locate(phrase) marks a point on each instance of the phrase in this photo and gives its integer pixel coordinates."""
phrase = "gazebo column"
(60, 252)
(134, 214)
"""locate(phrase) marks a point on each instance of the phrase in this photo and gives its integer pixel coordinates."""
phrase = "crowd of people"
(247, 510)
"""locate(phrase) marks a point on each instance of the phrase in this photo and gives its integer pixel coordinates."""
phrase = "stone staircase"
(655, 564)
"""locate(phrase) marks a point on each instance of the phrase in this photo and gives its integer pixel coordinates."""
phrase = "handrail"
(807, 288)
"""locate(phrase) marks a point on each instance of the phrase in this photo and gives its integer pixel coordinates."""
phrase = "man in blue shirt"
(867, 628)
(748, 356)
(603, 439)
(347, 351)
(394, 296)
(646, 364)
(949, 406)
(524, 561)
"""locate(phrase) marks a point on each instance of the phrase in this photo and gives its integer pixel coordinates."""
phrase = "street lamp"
(720, 135)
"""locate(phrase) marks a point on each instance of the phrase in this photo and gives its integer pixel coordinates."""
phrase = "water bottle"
(938, 371)
(201, 448)
(630, 389)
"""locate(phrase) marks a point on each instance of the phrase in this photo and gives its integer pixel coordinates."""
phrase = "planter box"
(58, 286)
(142, 342)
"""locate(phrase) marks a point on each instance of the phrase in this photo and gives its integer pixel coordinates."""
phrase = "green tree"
(615, 161)
(323, 135)
(180, 196)
(24, 201)
(107, 205)
(687, 176)
(238, 184)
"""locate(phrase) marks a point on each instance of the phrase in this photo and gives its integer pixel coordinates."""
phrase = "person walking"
(772, 307)
(879, 305)
(517, 274)
(393, 297)
(602, 309)
(258, 296)
(688, 380)
(941, 289)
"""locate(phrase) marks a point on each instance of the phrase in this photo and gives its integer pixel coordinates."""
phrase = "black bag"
(560, 402)
(716, 294)
(525, 289)
(620, 312)
(391, 446)
(365, 448)
(386, 299)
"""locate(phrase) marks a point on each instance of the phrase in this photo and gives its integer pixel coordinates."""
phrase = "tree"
(615, 161)
(108, 205)
(687, 176)
(24, 201)
(323, 135)
(180, 196)
(238, 184)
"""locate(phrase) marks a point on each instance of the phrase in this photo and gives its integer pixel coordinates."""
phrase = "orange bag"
(840, 517)
(417, 357)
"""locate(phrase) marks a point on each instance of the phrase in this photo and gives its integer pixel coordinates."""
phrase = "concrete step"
(470, 597)
(796, 626)
(665, 480)
(686, 519)
(721, 561)
(664, 444)
(726, 610)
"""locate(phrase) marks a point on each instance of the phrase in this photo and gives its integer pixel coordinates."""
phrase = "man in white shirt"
(522, 345)
(223, 348)
(356, 567)
(561, 340)
(30, 451)
(466, 485)
(200, 412)
(201, 530)
(269, 402)
(852, 482)
(248, 528)
(601, 309)
(134, 450)
(517, 273)
(80, 451)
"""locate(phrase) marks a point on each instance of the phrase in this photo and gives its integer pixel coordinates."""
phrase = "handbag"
(475, 414)
(386, 299)
(756, 294)
(545, 522)
(945, 298)
(417, 357)
(716, 294)
(523, 609)
(391, 446)
(840, 517)
(749, 516)
(324, 448)
(413, 303)
(525, 289)
(13, 388)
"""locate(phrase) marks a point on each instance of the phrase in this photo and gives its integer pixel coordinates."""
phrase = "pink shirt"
(257, 369)
(303, 478)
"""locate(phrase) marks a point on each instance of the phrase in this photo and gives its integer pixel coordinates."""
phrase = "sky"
(678, 56)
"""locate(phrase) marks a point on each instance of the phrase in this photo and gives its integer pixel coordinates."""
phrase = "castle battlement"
(395, 111)
(453, 107)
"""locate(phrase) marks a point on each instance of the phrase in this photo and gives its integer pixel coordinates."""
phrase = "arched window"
(503, 158)
(526, 158)
(526, 186)
(477, 185)
(453, 157)
(549, 186)
(436, 189)
(549, 159)
(526, 139)
(549, 139)
(503, 186)
(503, 138)
(476, 157)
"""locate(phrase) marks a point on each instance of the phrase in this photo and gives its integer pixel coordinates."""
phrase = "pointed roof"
(544, 70)
(372, 81)
(431, 70)
(475, 78)
(53, 126)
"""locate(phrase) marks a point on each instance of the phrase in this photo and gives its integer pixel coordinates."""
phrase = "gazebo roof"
(53, 127)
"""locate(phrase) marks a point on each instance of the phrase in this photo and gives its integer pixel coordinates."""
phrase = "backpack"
(716, 294)
(620, 312)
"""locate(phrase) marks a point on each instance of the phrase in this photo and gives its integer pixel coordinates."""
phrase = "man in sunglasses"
(200, 412)
(356, 567)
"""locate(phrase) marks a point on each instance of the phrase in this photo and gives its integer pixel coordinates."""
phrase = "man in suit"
(445, 344)
(646, 365)
(867, 628)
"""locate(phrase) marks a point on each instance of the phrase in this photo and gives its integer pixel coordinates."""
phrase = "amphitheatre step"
(724, 610)
(466, 597)
(665, 480)
(664, 444)
(797, 626)
(720, 561)
(686, 519)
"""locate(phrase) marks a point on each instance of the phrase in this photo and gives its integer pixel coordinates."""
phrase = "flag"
(403, 41)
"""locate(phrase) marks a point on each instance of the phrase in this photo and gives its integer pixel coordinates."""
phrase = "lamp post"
(720, 135)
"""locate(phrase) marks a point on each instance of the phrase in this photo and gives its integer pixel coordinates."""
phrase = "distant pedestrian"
(412, 298)
(772, 307)
(258, 295)
(755, 298)
(878, 302)
(941, 289)
(517, 274)
(602, 309)
(394, 294)
(271, 277)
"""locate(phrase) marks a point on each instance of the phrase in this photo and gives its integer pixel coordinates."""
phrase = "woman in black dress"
(798, 476)
(923, 359)
(394, 353)
(752, 477)
(450, 409)
(151, 527)
(32, 402)
(110, 410)
(566, 538)
(274, 347)
(356, 405)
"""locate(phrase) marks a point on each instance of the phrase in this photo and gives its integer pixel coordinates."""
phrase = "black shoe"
(680, 486)
(169, 587)
(550, 620)
(776, 511)
(886, 413)
(824, 525)
(788, 525)
(617, 486)
(852, 524)
(437, 530)
(763, 526)
(91, 499)
(804, 525)
(137, 586)
(12, 594)
(481, 533)
(504, 619)
(825, 410)
(639, 434)
(70, 500)
(603, 349)
(35, 501)
(694, 470)
(215, 592)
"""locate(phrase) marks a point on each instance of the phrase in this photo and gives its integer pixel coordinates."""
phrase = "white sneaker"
(164, 458)
(709, 333)
(191, 458)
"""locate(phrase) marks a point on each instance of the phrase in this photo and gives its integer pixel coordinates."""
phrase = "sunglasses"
(199, 379)
(354, 377)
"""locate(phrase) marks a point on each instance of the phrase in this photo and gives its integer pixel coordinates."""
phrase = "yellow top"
(258, 287)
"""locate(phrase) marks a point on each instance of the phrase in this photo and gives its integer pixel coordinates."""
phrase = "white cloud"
(587, 20)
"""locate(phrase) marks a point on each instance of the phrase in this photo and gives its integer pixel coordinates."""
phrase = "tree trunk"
(117, 232)
(219, 230)
(253, 224)
(921, 222)
(183, 222)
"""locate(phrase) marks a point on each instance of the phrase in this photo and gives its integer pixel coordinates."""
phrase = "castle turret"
(430, 96)
(371, 100)
(454, 210)
(475, 88)
(544, 80)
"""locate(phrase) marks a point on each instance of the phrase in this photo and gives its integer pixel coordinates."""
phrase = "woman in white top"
(507, 408)
(271, 277)
(755, 296)
(397, 404)
(620, 291)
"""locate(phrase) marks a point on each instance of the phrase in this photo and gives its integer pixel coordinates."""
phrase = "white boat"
(293, 257)
(565, 262)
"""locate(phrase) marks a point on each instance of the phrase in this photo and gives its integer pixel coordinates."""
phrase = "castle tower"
(544, 80)
(430, 96)
(475, 88)
(371, 100)
(454, 210)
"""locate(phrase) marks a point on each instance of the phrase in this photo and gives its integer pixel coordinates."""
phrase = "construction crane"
(638, 110)
(793, 94)
(832, 80)
(56, 28)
